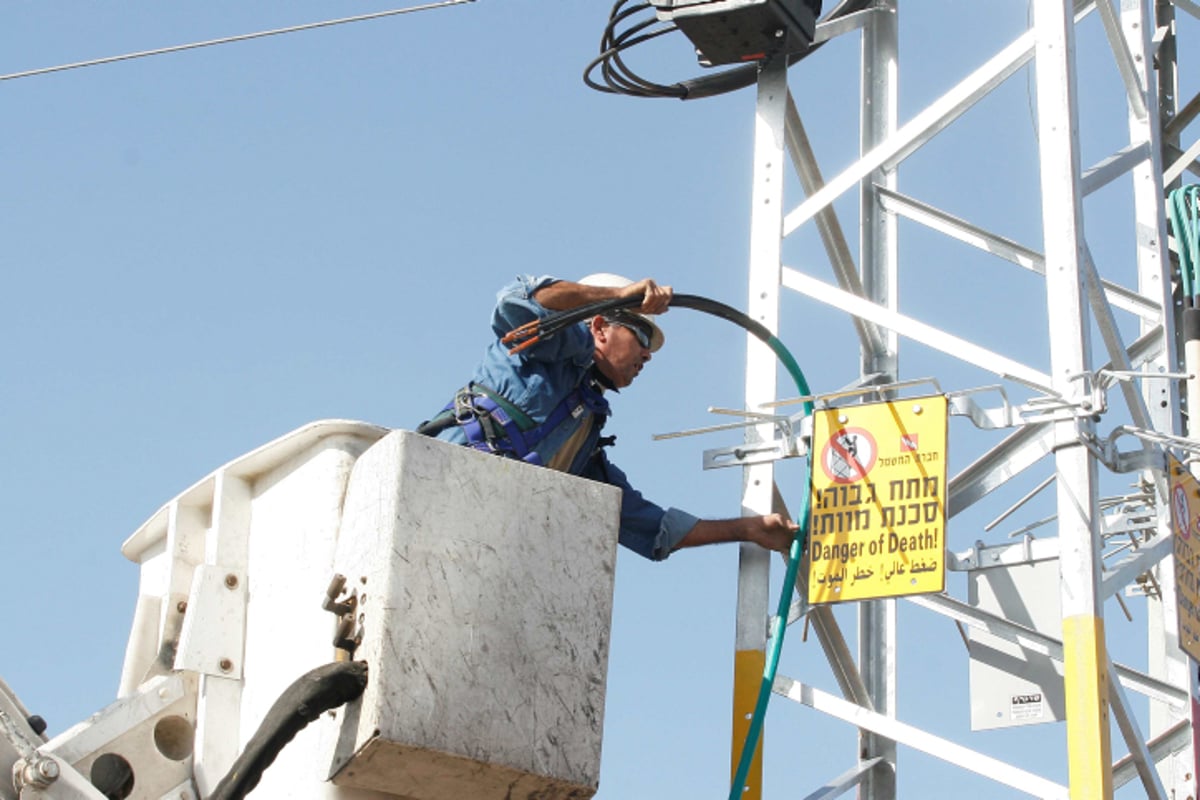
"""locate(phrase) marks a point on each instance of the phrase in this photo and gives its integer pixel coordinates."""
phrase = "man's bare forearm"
(564, 295)
(773, 531)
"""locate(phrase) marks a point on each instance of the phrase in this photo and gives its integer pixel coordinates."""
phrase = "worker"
(546, 404)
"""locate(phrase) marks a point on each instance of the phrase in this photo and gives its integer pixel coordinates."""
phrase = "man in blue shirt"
(546, 404)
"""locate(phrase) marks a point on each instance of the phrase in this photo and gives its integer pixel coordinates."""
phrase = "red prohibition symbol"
(849, 455)
(1180, 507)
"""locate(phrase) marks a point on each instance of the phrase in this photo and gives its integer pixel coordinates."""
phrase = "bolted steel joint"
(40, 771)
(48, 769)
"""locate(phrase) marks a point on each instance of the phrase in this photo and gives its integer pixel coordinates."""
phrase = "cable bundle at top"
(631, 24)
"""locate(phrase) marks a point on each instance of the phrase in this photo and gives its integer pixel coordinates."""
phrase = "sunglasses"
(643, 335)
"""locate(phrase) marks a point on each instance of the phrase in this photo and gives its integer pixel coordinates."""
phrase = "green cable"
(779, 626)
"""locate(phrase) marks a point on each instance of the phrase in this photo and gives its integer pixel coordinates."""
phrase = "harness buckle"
(470, 417)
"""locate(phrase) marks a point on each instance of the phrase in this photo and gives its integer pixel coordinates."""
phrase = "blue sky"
(205, 250)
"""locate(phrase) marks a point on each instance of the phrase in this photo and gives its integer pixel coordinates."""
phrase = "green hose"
(547, 326)
(779, 626)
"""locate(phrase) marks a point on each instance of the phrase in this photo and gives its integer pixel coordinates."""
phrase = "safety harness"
(494, 425)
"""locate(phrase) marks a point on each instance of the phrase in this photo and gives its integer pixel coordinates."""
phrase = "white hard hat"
(608, 279)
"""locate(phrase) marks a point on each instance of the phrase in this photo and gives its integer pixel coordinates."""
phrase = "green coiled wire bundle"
(1183, 208)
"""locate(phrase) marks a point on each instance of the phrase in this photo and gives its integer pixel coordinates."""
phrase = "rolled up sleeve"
(646, 528)
(516, 306)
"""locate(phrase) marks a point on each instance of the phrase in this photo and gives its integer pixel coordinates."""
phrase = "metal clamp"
(792, 438)
(347, 635)
(792, 435)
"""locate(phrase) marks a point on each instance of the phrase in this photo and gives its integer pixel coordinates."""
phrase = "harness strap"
(523, 420)
(494, 425)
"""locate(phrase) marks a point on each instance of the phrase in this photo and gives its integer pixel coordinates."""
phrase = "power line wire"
(241, 38)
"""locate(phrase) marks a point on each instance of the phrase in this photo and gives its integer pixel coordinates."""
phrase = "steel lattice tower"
(1106, 369)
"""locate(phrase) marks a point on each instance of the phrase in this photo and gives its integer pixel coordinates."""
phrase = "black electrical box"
(739, 31)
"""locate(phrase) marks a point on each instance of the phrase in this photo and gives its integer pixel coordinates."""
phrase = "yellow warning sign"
(878, 526)
(1185, 523)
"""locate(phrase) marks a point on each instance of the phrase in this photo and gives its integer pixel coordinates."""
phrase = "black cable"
(311, 695)
(621, 79)
(530, 333)
(618, 78)
(627, 77)
(553, 323)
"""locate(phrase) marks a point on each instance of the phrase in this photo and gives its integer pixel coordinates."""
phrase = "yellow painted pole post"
(754, 565)
(1084, 657)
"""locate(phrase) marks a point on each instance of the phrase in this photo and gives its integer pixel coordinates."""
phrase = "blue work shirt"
(536, 380)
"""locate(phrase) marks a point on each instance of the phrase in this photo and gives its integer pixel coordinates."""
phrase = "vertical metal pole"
(1162, 617)
(1089, 750)
(877, 618)
(766, 240)
(1186, 772)
(1167, 661)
